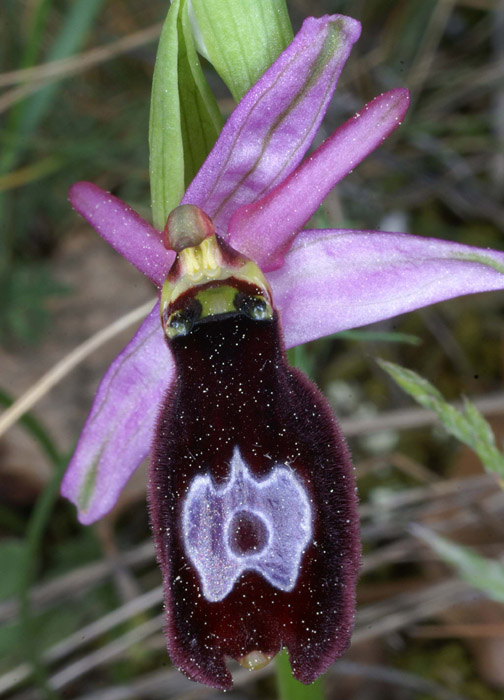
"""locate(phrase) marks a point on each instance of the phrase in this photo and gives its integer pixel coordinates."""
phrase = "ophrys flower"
(259, 195)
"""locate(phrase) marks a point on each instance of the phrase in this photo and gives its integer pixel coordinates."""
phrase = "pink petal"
(273, 125)
(124, 229)
(264, 230)
(118, 432)
(333, 280)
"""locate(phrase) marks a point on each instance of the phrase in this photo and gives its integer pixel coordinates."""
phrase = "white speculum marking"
(246, 525)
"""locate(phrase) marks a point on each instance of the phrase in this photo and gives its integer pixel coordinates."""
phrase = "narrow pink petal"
(333, 280)
(124, 229)
(118, 433)
(265, 229)
(272, 127)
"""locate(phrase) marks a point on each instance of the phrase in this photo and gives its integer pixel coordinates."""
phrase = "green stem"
(291, 689)
(288, 687)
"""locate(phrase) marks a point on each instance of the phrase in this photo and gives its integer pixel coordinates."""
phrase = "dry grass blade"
(37, 78)
(401, 611)
(374, 620)
(498, 101)
(400, 551)
(67, 364)
(82, 61)
(408, 419)
(107, 652)
(85, 635)
(168, 684)
(14, 96)
(392, 676)
(80, 579)
(458, 489)
(172, 684)
(467, 85)
(466, 631)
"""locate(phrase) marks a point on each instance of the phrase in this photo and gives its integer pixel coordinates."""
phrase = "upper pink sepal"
(265, 229)
(273, 126)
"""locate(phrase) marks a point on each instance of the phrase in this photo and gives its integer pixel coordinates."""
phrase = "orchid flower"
(286, 577)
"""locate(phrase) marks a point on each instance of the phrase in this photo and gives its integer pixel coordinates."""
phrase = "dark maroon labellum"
(252, 499)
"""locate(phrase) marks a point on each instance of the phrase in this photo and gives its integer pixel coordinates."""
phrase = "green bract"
(185, 120)
(241, 38)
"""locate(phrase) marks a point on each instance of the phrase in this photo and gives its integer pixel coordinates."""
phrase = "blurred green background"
(80, 607)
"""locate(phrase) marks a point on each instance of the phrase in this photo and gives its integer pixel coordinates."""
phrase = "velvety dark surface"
(235, 388)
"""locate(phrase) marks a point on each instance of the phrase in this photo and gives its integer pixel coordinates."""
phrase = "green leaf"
(37, 524)
(165, 130)
(10, 644)
(24, 118)
(484, 574)
(36, 430)
(241, 38)
(483, 440)
(184, 120)
(13, 556)
(469, 427)
(77, 23)
(37, 21)
(201, 118)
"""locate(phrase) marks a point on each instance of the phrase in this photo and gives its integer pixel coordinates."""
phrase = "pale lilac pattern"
(278, 504)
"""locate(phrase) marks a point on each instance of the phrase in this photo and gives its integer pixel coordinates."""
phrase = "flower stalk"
(291, 689)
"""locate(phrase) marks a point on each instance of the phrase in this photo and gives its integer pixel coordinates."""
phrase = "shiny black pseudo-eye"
(251, 491)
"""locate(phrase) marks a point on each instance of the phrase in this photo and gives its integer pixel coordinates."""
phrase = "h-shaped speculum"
(246, 524)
